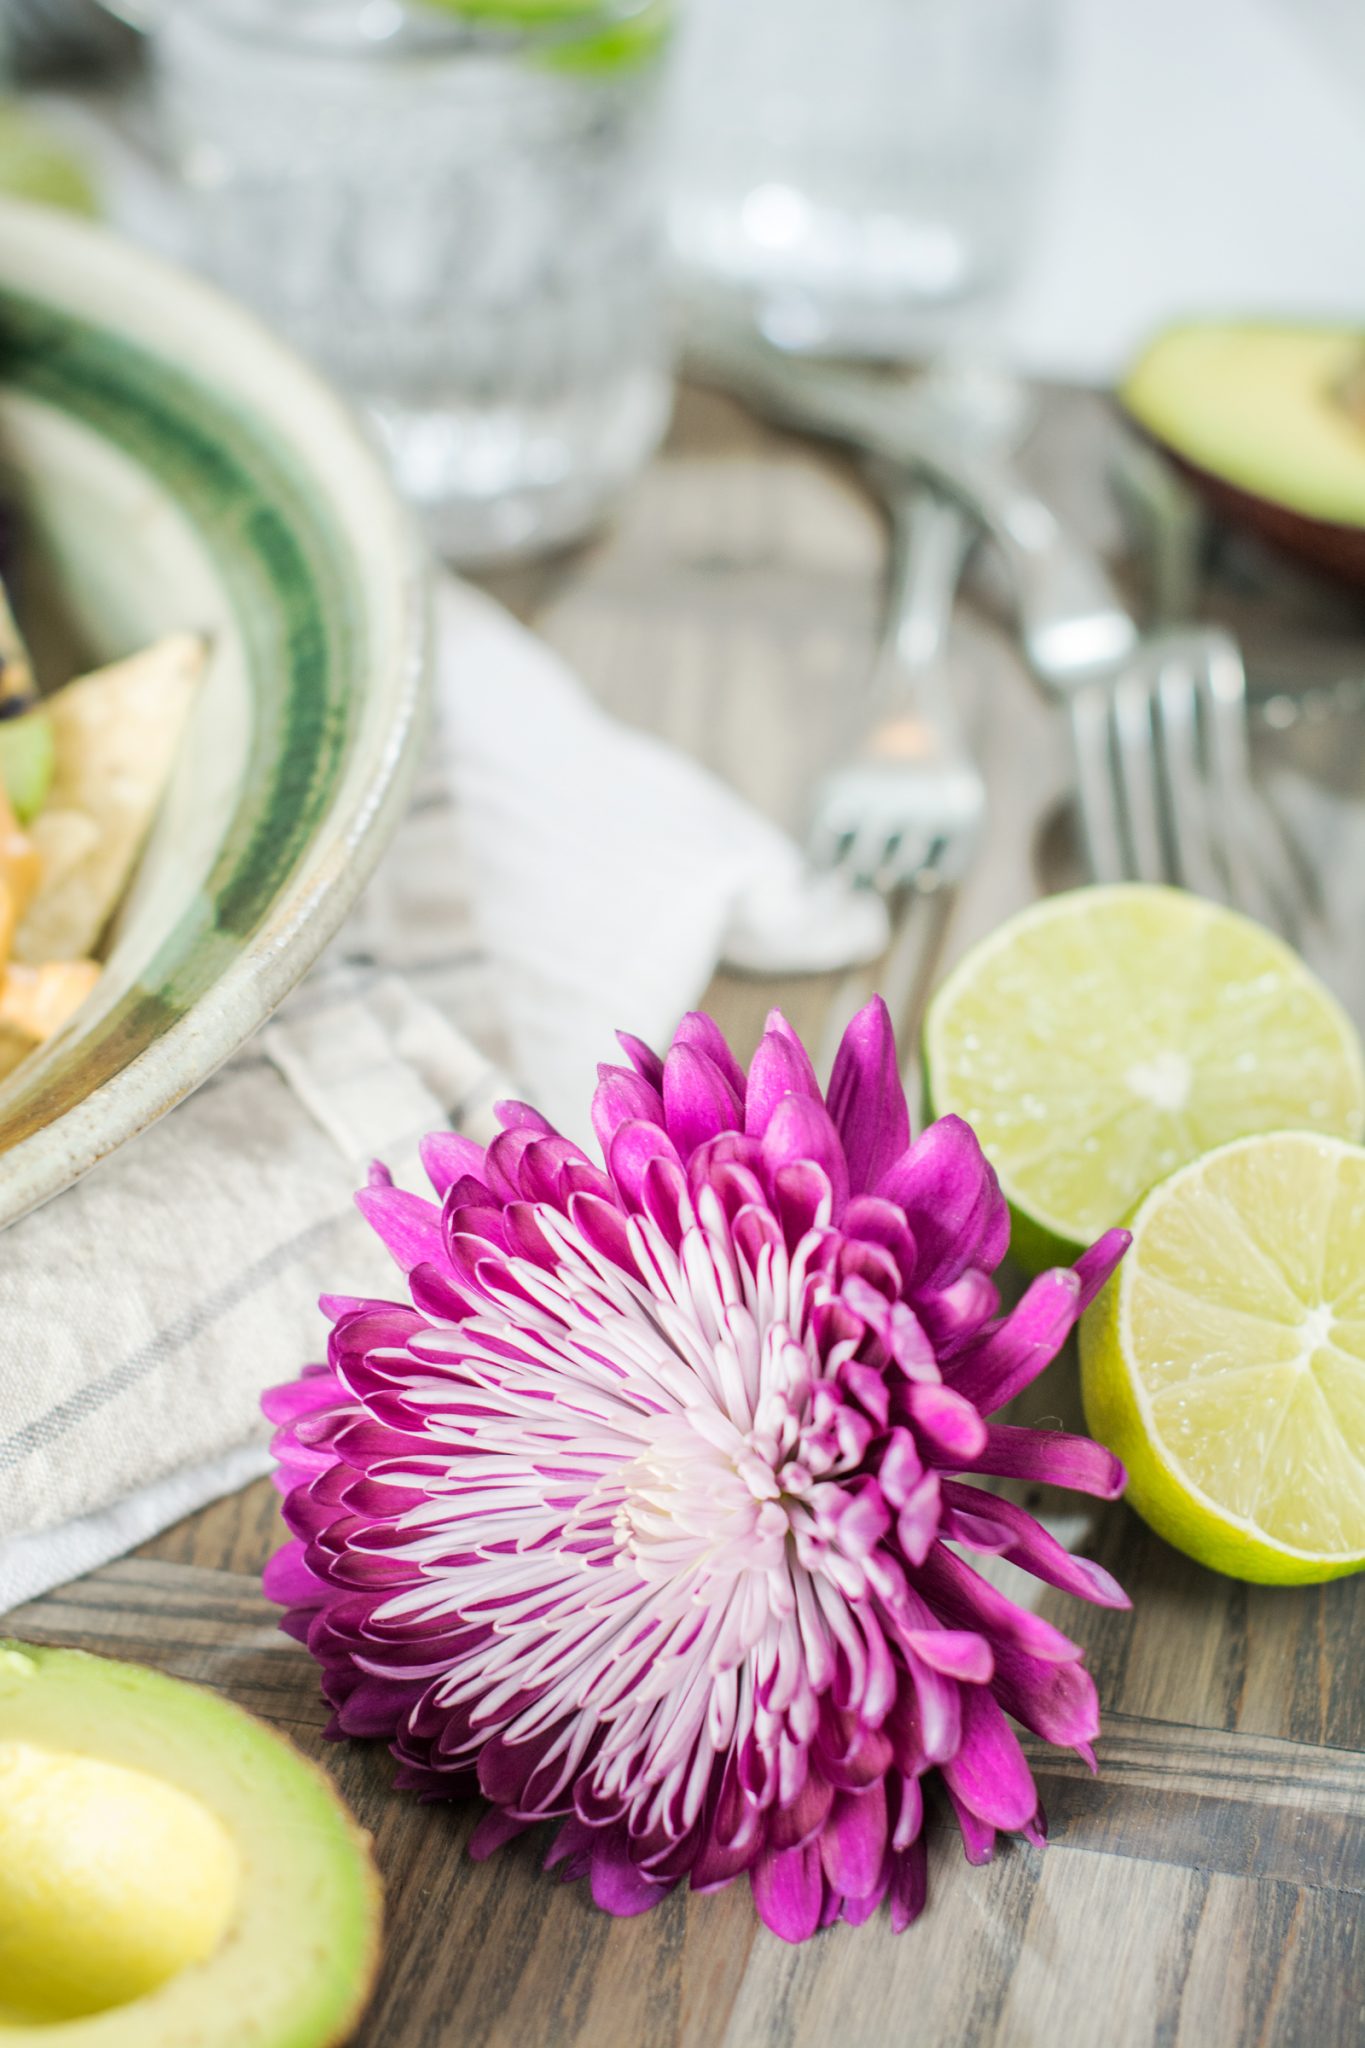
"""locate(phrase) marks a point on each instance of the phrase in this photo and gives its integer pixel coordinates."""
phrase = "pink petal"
(801, 1132)
(1055, 1700)
(957, 1653)
(699, 1102)
(287, 1579)
(519, 1116)
(619, 1886)
(952, 1203)
(1094, 1267)
(643, 1058)
(789, 1891)
(705, 1036)
(1051, 1456)
(409, 1226)
(947, 1423)
(800, 1822)
(1029, 1545)
(621, 1097)
(632, 1148)
(446, 1155)
(909, 1885)
(1000, 1364)
(492, 1832)
(779, 1068)
(286, 1404)
(988, 1773)
(965, 1600)
(978, 1837)
(853, 1844)
(866, 1099)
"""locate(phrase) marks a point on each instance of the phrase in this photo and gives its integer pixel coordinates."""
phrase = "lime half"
(1225, 1361)
(1103, 1038)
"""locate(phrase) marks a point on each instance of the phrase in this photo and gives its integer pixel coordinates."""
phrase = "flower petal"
(952, 1203)
(622, 1097)
(409, 1226)
(619, 1886)
(989, 1773)
(632, 1148)
(643, 1058)
(866, 1098)
(909, 1885)
(699, 1102)
(996, 1366)
(853, 1844)
(445, 1155)
(705, 1036)
(1029, 1545)
(789, 1891)
(779, 1068)
(802, 1132)
(1094, 1267)
(1053, 1457)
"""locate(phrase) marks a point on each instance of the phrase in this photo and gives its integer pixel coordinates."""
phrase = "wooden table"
(1208, 1889)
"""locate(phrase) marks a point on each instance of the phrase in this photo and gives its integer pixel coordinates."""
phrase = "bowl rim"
(90, 271)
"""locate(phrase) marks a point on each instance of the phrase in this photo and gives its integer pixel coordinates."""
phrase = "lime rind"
(1215, 1002)
(1122, 1412)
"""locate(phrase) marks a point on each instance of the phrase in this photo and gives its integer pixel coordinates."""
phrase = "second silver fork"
(904, 812)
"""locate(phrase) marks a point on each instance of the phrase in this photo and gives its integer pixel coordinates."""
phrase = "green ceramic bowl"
(174, 467)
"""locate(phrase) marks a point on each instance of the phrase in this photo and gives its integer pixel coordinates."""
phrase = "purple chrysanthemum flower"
(646, 1514)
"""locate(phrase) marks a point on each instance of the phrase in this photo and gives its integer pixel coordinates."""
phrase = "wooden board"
(1207, 1890)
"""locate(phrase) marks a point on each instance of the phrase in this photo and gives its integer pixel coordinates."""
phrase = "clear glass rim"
(376, 29)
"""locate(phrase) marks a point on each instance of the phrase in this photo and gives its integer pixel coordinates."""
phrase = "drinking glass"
(844, 171)
(457, 212)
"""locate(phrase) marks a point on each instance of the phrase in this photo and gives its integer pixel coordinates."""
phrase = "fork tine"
(1135, 771)
(1096, 790)
(1196, 864)
(1261, 869)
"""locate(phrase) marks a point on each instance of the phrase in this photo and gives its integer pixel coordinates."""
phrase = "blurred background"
(497, 222)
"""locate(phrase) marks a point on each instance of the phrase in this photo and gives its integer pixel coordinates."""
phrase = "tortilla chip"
(62, 840)
(21, 866)
(117, 732)
(37, 1001)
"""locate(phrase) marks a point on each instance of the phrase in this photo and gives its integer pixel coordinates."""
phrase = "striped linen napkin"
(556, 875)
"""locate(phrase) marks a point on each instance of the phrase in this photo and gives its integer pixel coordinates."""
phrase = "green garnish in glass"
(635, 38)
(34, 165)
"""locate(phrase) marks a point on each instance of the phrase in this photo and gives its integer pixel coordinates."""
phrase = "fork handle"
(930, 541)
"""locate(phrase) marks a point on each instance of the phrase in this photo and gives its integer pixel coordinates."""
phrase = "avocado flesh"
(110, 1881)
(171, 1870)
(1267, 411)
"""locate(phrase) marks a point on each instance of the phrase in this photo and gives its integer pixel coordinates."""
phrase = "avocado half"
(1269, 423)
(171, 1870)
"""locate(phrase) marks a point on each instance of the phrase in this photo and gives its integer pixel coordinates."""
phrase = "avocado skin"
(1327, 545)
(294, 1829)
(1333, 547)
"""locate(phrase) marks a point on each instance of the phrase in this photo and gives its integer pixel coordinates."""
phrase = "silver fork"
(903, 812)
(1159, 728)
(905, 808)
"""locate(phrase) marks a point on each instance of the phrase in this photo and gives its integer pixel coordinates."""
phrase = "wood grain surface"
(1207, 1889)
